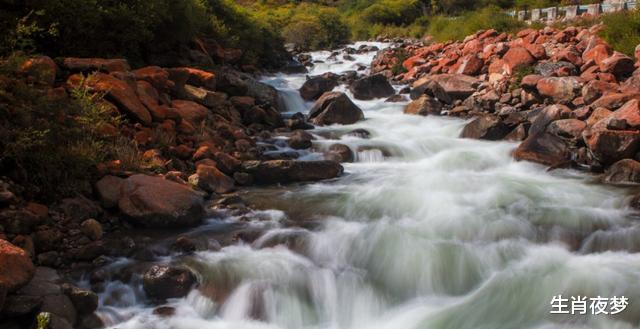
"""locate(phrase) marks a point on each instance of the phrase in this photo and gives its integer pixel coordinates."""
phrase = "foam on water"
(424, 231)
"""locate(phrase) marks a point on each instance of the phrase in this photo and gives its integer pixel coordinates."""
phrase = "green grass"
(622, 31)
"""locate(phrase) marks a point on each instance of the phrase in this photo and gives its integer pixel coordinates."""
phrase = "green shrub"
(622, 30)
(444, 28)
(52, 146)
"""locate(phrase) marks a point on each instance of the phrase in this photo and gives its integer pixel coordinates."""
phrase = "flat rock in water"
(288, 171)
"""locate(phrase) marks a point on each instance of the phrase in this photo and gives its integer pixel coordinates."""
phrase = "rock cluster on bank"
(566, 94)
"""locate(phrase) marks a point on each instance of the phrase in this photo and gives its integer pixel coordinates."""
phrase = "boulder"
(560, 89)
(486, 127)
(424, 105)
(335, 108)
(609, 146)
(449, 87)
(152, 201)
(16, 268)
(594, 89)
(544, 148)
(548, 115)
(212, 180)
(300, 140)
(95, 64)
(626, 171)
(629, 113)
(598, 53)
(287, 171)
(470, 65)
(108, 190)
(161, 282)
(371, 87)
(339, 153)
(41, 68)
(190, 111)
(119, 92)
(314, 87)
(547, 69)
(84, 301)
(618, 64)
(156, 76)
(567, 128)
(92, 229)
(614, 100)
(518, 57)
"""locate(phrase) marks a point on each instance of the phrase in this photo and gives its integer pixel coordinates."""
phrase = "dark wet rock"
(300, 140)
(155, 202)
(371, 87)
(486, 127)
(315, 86)
(339, 153)
(360, 133)
(335, 108)
(84, 301)
(567, 128)
(287, 171)
(544, 148)
(20, 305)
(162, 282)
(297, 121)
(447, 87)
(626, 171)
(548, 115)
(164, 311)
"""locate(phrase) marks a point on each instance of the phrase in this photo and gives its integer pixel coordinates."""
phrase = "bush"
(447, 28)
(52, 146)
(622, 31)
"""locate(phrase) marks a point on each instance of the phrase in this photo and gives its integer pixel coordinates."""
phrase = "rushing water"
(425, 230)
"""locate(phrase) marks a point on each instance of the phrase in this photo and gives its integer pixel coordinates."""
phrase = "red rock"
(619, 64)
(615, 100)
(499, 66)
(629, 112)
(156, 76)
(413, 61)
(42, 68)
(560, 89)
(118, 91)
(568, 128)
(149, 97)
(597, 115)
(95, 64)
(470, 65)
(626, 171)
(335, 108)
(595, 89)
(210, 179)
(548, 115)
(569, 54)
(530, 81)
(424, 105)
(196, 77)
(190, 111)
(16, 268)
(37, 209)
(524, 33)
(609, 146)
(598, 53)
(156, 202)
(537, 51)
(518, 56)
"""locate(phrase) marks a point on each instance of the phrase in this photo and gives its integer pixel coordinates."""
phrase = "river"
(424, 231)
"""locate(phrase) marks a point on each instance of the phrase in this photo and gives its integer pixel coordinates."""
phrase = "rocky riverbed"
(393, 185)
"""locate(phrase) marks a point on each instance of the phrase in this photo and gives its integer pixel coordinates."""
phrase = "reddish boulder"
(151, 201)
(530, 81)
(424, 105)
(615, 100)
(196, 77)
(598, 53)
(626, 171)
(96, 64)
(212, 180)
(41, 68)
(595, 89)
(455, 86)
(619, 64)
(156, 76)
(190, 111)
(548, 115)
(609, 146)
(562, 90)
(518, 56)
(567, 128)
(16, 268)
(470, 65)
(119, 92)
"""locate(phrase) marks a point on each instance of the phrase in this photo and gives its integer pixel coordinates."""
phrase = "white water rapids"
(424, 231)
